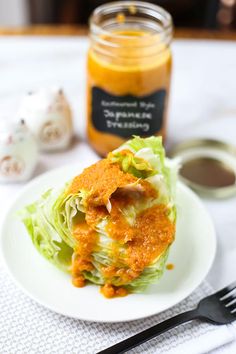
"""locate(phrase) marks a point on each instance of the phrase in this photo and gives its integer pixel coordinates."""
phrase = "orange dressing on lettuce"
(101, 180)
(154, 232)
(86, 239)
(145, 239)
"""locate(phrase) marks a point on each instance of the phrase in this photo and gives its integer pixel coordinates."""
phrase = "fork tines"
(228, 299)
(227, 296)
(226, 291)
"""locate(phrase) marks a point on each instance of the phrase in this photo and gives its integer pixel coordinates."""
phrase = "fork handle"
(151, 332)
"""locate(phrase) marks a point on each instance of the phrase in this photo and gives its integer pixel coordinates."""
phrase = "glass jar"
(128, 73)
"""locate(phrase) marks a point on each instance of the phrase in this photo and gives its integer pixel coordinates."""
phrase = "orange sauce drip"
(170, 266)
(110, 291)
(125, 274)
(86, 242)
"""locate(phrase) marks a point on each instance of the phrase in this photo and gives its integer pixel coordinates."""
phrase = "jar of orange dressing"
(129, 72)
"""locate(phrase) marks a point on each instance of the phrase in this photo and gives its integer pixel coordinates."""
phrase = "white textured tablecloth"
(202, 104)
(28, 328)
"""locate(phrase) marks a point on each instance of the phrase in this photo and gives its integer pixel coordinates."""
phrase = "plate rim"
(57, 170)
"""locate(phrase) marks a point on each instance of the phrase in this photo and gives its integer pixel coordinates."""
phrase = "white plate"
(192, 255)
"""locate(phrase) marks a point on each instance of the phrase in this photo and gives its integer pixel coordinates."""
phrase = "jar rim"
(157, 12)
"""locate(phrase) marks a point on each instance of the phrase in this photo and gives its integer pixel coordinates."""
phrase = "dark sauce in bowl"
(208, 172)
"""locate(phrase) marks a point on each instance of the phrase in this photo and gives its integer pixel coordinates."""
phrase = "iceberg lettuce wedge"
(52, 219)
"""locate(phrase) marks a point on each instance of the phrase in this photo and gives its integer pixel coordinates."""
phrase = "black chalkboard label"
(127, 115)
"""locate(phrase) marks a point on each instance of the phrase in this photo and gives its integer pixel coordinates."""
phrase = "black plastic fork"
(219, 309)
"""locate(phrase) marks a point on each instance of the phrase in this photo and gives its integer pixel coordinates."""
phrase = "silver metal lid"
(207, 166)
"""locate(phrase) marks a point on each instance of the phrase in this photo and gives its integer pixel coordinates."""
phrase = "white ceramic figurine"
(48, 115)
(18, 152)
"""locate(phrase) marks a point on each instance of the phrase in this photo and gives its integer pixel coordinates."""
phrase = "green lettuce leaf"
(132, 164)
(37, 218)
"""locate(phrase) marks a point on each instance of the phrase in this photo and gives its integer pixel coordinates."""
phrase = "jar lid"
(207, 166)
